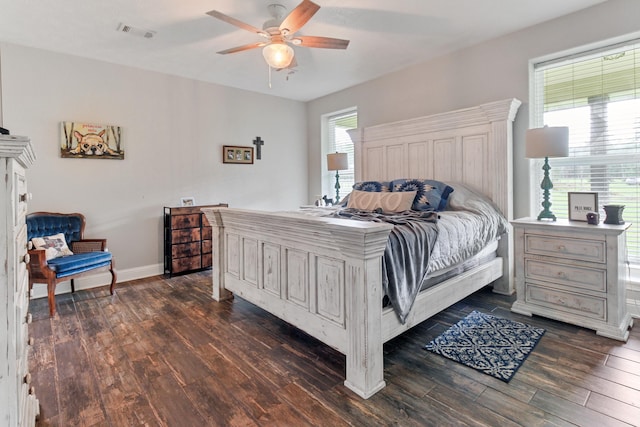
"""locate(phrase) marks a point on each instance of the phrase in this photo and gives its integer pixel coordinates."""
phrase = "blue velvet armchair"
(89, 255)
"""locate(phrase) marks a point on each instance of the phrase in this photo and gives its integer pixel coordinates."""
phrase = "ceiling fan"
(278, 33)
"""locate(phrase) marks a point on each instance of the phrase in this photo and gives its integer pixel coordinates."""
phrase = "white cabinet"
(573, 272)
(19, 405)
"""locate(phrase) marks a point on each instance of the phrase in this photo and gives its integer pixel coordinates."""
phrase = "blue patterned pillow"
(444, 190)
(431, 195)
(372, 186)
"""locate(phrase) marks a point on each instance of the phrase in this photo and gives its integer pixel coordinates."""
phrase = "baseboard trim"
(101, 279)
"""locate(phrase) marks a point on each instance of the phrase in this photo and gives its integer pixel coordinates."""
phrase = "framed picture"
(90, 141)
(580, 204)
(237, 154)
(187, 201)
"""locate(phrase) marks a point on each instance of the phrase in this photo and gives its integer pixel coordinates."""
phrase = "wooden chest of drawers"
(187, 239)
(19, 405)
(573, 272)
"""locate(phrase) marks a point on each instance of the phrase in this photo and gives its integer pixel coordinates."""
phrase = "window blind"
(339, 141)
(597, 95)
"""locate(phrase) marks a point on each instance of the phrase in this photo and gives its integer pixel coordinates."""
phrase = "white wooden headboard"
(472, 146)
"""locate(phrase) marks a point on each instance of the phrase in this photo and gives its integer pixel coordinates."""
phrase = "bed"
(324, 274)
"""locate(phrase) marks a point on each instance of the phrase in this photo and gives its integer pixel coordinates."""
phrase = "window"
(596, 94)
(337, 139)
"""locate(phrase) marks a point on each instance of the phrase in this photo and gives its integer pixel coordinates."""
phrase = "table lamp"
(544, 143)
(337, 162)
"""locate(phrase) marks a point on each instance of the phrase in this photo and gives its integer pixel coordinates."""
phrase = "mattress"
(485, 255)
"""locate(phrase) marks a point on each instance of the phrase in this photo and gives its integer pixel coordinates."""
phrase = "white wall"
(490, 71)
(173, 132)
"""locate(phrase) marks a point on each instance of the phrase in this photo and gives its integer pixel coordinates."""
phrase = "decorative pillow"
(54, 246)
(430, 194)
(387, 202)
(375, 186)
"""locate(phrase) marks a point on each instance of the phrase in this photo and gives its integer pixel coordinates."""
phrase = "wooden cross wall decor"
(258, 142)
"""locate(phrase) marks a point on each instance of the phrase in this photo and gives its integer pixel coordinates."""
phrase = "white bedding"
(470, 223)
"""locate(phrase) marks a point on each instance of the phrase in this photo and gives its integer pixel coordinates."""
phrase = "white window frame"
(328, 178)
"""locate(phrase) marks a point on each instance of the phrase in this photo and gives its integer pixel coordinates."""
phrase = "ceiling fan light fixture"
(278, 55)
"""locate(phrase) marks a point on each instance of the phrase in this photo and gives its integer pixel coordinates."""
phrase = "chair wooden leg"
(51, 293)
(114, 277)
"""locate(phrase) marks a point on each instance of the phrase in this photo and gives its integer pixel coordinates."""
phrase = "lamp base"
(546, 215)
(546, 185)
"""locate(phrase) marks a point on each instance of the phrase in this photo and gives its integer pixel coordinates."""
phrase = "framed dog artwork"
(90, 141)
(237, 154)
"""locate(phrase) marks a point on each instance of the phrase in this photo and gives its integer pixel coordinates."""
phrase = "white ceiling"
(385, 36)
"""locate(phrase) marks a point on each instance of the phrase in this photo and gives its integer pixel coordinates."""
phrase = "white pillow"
(54, 246)
(388, 202)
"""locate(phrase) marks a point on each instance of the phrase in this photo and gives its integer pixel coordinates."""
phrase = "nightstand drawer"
(577, 304)
(577, 277)
(578, 249)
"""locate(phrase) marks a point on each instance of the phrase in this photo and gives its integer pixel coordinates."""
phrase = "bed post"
(356, 138)
(501, 115)
(219, 293)
(363, 283)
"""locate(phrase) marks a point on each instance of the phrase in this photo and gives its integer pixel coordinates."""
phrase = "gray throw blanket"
(406, 256)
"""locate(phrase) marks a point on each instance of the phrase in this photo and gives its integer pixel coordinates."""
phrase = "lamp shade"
(337, 161)
(278, 55)
(547, 142)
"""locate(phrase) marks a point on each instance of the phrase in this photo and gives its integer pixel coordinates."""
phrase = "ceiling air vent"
(124, 28)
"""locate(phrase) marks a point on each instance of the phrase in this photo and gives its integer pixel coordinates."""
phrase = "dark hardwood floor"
(161, 352)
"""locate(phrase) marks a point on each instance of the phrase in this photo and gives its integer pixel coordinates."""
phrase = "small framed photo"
(237, 154)
(187, 201)
(580, 204)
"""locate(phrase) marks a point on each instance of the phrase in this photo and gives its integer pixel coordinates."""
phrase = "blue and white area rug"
(487, 343)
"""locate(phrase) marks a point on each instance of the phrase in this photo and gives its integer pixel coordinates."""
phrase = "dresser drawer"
(22, 327)
(185, 250)
(184, 264)
(591, 279)
(21, 256)
(206, 246)
(207, 260)
(185, 235)
(20, 195)
(561, 247)
(22, 285)
(185, 221)
(206, 232)
(577, 304)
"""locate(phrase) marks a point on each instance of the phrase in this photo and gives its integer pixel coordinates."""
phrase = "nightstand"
(573, 272)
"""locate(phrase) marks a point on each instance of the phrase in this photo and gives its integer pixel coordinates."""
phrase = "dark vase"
(614, 214)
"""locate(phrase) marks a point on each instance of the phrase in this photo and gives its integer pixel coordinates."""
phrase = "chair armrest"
(37, 264)
(37, 258)
(89, 245)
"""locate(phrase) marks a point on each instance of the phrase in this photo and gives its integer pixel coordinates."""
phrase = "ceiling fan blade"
(323, 42)
(233, 21)
(299, 16)
(241, 48)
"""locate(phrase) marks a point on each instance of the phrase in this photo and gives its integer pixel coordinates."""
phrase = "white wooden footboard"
(322, 275)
